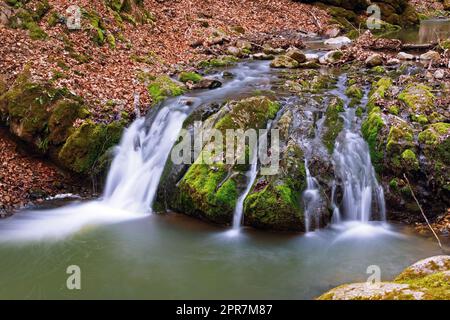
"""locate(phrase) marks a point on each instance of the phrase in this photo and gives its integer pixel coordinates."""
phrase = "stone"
(374, 60)
(312, 57)
(430, 55)
(426, 267)
(262, 56)
(393, 62)
(332, 32)
(267, 49)
(331, 57)
(405, 56)
(284, 61)
(296, 54)
(234, 51)
(439, 74)
(206, 83)
(338, 41)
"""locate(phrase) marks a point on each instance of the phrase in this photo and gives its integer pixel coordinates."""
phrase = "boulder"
(374, 60)
(234, 51)
(428, 279)
(338, 41)
(206, 83)
(430, 55)
(284, 61)
(312, 57)
(262, 56)
(296, 54)
(405, 56)
(331, 57)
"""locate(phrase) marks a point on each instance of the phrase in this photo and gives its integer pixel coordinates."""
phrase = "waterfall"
(355, 174)
(251, 176)
(140, 159)
(311, 199)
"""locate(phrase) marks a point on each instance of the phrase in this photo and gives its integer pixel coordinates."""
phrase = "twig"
(420, 207)
(316, 21)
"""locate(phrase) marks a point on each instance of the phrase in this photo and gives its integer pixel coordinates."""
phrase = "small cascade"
(251, 176)
(311, 200)
(355, 174)
(140, 159)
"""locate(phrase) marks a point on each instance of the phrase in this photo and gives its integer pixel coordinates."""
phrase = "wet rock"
(205, 83)
(374, 60)
(425, 267)
(262, 56)
(233, 51)
(338, 41)
(393, 62)
(439, 74)
(428, 279)
(267, 49)
(430, 56)
(331, 57)
(312, 57)
(284, 61)
(296, 54)
(405, 56)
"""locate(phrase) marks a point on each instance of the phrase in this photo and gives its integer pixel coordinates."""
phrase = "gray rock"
(338, 41)
(331, 57)
(262, 56)
(284, 61)
(296, 54)
(374, 60)
(405, 56)
(430, 55)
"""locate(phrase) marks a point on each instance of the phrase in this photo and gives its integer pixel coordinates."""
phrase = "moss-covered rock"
(333, 123)
(284, 61)
(428, 279)
(87, 143)
(371, 130)
(418, 98)
(190, 76)
(210, 187)
(162, 87)
(275, 201)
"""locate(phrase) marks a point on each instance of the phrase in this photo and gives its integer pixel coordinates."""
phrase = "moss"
(378, 69)
(394, 110)
(162, 87)
(436, 286)
(354, 91)
(190, 76)
(410, 160)
(420, 119)
(359, 111)
(418, 98)
(53, 19)
(223, 61)
(111, 40)
(433, 134)
(87, 144)
(35, 32)
(333, 124)
(249, 113)
(393, 184)
(400, 136)
(380, 87)
(370, 129)
(65, 112)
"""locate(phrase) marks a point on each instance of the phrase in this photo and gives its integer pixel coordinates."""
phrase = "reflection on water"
(429, 31)
(174, 257)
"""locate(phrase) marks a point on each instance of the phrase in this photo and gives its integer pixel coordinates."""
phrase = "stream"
(125, 251)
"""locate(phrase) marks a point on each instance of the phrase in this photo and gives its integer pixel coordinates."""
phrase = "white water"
(355, 174)
(137, 167)
(311, 200)
(251, 176)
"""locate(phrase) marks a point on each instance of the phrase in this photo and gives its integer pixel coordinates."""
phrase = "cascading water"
(311, 199)
(140, 159)
(251, 176)
(354, 171)
(137, 167)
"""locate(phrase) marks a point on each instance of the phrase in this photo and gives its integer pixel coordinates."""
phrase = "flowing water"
(354, 171)
(311, 198)
(123, 251)
(428, 31)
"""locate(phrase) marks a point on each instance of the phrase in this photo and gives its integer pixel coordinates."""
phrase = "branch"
(426, 219)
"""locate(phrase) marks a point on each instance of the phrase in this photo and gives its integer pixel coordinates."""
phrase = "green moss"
(249, 113)
(436, 286)
(394, 110)
(378, 69)
(162, 87)
(333, 124)
(370, 129)
(190, 76)
(65, 112)
(224, 61)
(400, 136)
(354, 91)
(87, 144)
(359, 111)
(432, 135)
(35, 32)
(410, 160)
(393, 184)
(111, 40)
(418, 98)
